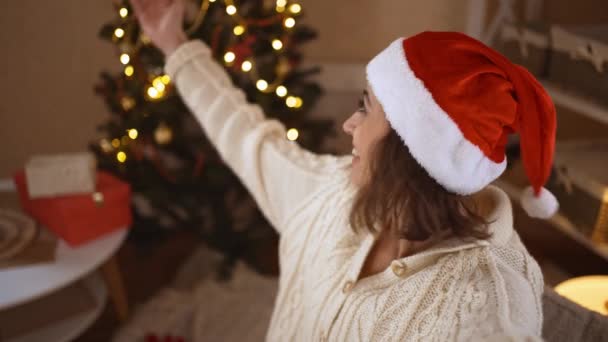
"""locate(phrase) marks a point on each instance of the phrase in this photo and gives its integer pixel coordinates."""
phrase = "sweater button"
(348, 286)
(398, 268)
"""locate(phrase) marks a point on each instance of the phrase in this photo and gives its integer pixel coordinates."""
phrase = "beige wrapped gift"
(61, 174)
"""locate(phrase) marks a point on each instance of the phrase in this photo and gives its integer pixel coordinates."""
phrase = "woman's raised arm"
(278, 173)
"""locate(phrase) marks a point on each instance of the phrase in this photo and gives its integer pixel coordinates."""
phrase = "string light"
(262, 85)
(129, 70)
(295, 8)
(281, 91)
(153, 93)
(121, 156)
(238, 30)
(133, 133)
(231, 10)
(293, 102)
(119, 33)
(299, 102)
(292, 134)
(277, 44)
(124, 59)
(290, 22)
(281, 6)
(229, 57)
(165, 79)
(211, 0)
(123, 12)
(115, 143)
(246, 66)
(158, 84)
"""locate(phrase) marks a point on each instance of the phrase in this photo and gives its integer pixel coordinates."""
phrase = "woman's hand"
(161, 21)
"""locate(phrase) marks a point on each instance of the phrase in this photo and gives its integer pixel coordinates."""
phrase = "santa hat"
(453, 101)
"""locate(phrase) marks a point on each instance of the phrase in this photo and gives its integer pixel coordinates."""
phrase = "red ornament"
(242, 51)
(198, 164)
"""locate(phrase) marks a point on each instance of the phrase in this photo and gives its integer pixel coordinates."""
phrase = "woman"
(405, 240)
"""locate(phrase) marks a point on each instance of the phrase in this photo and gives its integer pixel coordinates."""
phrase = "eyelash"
(361, 106)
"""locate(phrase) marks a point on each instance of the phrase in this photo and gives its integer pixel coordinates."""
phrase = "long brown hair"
(399, 195)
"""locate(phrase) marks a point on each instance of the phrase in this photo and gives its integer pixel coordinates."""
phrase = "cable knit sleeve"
(278, 173)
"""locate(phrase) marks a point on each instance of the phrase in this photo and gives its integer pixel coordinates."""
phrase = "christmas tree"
(153, 142)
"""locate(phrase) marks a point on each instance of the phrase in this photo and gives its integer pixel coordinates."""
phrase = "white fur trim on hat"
(542, 206)
(431, 135)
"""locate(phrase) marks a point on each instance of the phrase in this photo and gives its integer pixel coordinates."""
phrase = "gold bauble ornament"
(127, 103)
(163, 134)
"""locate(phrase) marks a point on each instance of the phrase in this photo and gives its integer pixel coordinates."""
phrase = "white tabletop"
(22, 284)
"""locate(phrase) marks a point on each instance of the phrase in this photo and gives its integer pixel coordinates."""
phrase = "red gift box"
(82, 217)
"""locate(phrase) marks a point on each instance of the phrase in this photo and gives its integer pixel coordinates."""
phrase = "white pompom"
(542, 206)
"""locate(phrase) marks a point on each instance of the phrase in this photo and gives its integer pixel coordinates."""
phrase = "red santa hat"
(454, 101)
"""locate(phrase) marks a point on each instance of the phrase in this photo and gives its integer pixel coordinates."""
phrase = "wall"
(50, 60)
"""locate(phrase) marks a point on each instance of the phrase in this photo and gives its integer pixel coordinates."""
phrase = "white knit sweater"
(486, 290)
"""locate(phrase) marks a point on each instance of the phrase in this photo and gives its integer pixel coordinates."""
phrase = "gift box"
(527, 45)
(84, 217)
(60, 174)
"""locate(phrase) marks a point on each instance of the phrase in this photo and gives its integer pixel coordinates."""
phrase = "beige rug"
(197, 307)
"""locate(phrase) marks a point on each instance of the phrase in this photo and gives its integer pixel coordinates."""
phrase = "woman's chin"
(355, 175)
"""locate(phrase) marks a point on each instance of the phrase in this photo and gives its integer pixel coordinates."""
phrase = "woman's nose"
(349, 125)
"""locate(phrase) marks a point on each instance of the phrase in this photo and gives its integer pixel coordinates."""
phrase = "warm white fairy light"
(294, 102)
(281, 91)
(119, 33)
(299, 102)
(132, 133)
(153, 92)
(238, 30)
(158, 84)
(229, 57)
(246, 66)
(280, 9)
(129, 70)
(124, 59)
(277, 44)
(115, 143)
(291, 101)
(292, 134)
(123, 12)
(121, 156)
(281, 3)
(231, 9)
(295, 8)
(165, 79)
(262, 85)
(290, 22)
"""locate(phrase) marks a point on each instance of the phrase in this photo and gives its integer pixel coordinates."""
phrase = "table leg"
(116, 288)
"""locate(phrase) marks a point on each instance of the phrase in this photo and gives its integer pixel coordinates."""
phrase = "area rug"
(200, 307)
